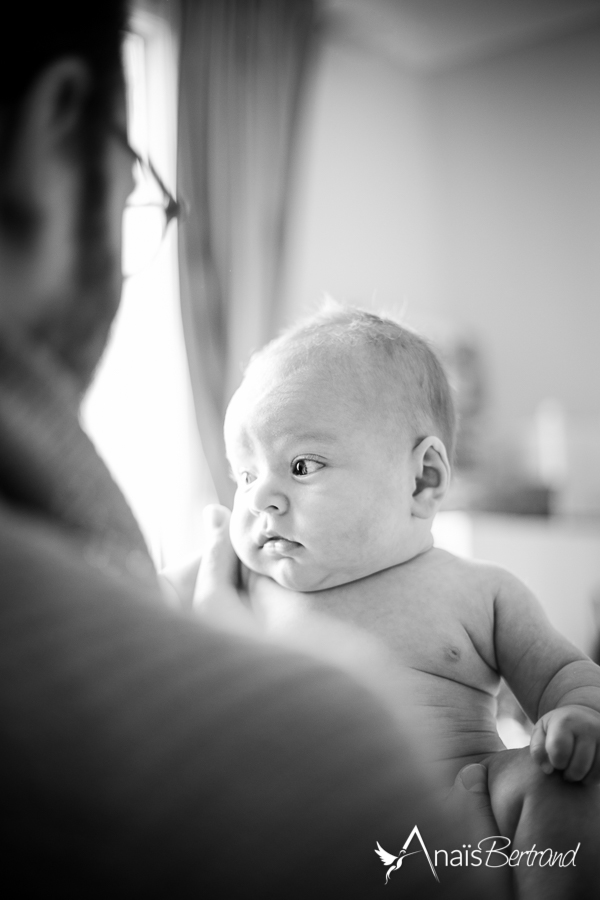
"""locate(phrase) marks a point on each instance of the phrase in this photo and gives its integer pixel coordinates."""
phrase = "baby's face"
(323, 490)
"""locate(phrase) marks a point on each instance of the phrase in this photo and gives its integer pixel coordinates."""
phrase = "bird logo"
(394, 862)
(388, 859)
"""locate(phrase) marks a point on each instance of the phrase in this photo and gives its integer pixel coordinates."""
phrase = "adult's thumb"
(470, 799)
(219, 565)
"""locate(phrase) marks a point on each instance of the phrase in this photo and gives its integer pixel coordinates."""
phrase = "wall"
(519, 152)
(365, 202)
(470, 201)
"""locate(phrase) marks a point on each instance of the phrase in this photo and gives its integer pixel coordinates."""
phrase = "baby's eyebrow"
(323, 437)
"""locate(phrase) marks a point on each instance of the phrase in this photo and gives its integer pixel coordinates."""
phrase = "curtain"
(243, 67)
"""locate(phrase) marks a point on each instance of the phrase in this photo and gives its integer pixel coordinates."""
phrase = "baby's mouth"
(276, 544)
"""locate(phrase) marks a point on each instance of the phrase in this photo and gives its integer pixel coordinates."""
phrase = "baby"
(340, 440)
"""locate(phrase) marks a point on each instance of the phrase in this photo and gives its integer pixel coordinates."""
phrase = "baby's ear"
(432, 476)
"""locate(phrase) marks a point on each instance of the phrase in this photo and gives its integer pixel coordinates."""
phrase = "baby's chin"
(288, 574)
(276, 569)
(296, 574)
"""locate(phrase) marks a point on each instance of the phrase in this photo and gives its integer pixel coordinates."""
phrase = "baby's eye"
(305, 466)
(246, 477)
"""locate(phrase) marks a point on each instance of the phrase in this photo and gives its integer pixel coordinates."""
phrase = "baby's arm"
(557, 684)
(567, 737)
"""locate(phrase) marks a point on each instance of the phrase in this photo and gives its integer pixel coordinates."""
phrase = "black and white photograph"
(300, 449)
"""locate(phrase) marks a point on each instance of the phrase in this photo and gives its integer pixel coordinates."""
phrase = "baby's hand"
(568, 739)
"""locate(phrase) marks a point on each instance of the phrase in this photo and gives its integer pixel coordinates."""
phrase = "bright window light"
(139, 411)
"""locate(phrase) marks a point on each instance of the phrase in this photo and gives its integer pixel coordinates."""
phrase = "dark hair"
(44, 31)
(395, 353)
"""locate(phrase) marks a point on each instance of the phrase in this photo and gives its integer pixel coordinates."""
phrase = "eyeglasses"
(146, 215)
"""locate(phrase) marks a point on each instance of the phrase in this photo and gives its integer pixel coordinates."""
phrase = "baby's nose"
(268, 496)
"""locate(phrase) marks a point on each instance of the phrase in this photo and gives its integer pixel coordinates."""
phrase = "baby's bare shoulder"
(486, 579)
(452, 571)
(435, 584)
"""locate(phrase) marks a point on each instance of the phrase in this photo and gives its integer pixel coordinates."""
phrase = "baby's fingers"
(582, 759)
(537, 748)
(560, 742)
(593, 775)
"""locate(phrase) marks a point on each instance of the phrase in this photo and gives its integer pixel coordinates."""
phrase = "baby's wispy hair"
(394, 353)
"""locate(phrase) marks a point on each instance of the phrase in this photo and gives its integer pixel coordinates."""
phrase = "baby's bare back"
(436, 614)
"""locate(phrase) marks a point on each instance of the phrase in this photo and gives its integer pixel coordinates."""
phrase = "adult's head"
(65, 172)
(337, 441)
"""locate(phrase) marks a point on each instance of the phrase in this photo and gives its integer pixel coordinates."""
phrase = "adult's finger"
(470, 807)
(217, 595)
(219, 566)
(470, 801)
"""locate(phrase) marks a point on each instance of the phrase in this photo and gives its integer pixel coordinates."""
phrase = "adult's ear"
(40, 202)
(49, 123)
(58, 97)
(432, 476)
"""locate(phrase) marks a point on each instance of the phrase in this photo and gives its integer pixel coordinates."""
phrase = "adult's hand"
(546, 811)
(218, 594)
(469, 800)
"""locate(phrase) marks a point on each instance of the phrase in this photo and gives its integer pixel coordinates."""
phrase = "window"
(139, 412)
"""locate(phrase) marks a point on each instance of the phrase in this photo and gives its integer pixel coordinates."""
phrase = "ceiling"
(433, 35)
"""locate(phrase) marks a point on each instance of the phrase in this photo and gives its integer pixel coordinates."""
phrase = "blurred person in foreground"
(145, 753)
